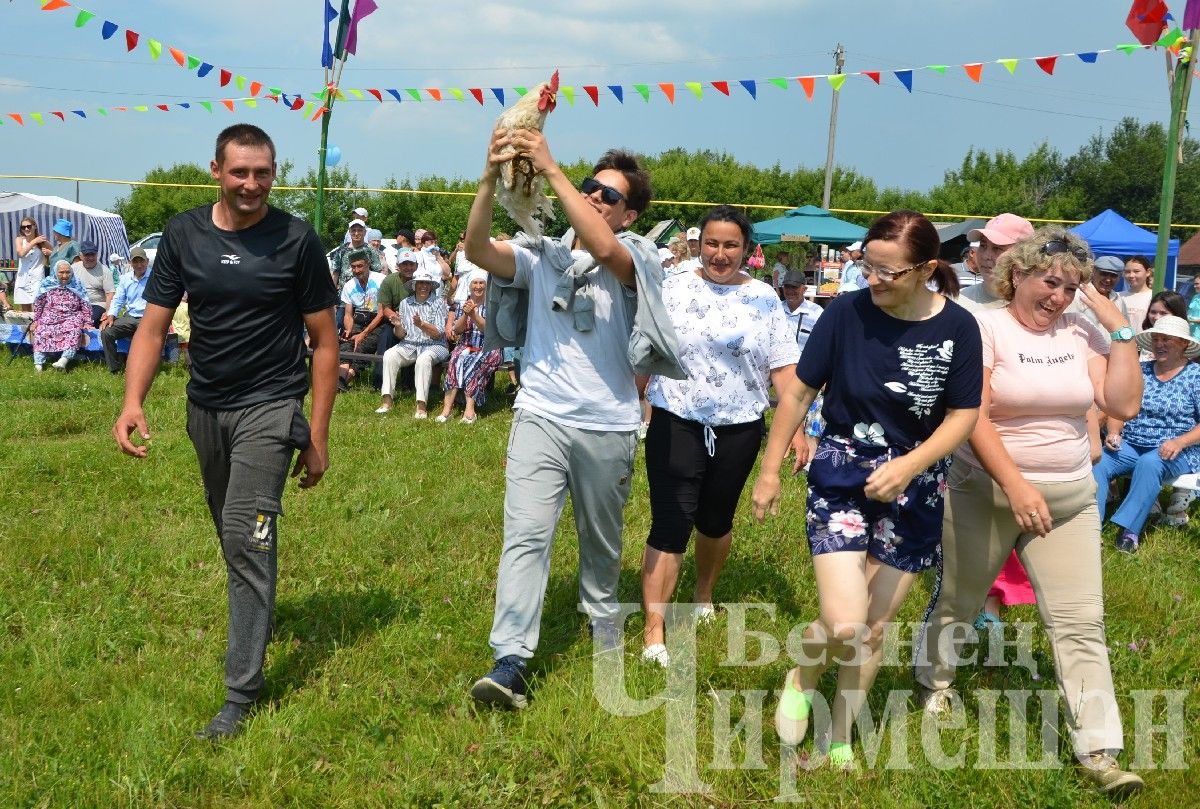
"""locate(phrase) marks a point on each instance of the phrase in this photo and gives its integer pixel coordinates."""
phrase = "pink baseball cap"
(1003, 230)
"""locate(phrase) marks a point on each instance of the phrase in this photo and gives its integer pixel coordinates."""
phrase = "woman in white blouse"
(706, 430)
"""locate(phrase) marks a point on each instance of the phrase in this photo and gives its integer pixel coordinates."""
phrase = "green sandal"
(791, 715)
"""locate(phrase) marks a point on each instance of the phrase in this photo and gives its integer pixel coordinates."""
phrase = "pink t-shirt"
(1041, 393)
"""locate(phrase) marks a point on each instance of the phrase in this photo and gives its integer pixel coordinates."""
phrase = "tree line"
(1121, 170)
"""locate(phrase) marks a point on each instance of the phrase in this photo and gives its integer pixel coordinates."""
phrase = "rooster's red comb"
(554, 82)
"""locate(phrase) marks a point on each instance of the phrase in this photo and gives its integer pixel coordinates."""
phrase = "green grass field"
(112, 614)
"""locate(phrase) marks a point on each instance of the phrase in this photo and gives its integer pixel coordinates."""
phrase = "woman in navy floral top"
(1163, 440)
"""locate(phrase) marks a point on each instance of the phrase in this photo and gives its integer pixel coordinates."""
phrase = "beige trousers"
(978, 533)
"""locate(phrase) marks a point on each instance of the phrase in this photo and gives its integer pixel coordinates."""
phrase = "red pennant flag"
(593, 92)
(808, 83)
(1146, 19)
(378, 95)
(120, 109)
(477, 94)
(16, 116)
(179, 56)
(1046, 63)
(668, 90)
(225, 77)
(721, 87)
(255, 87)
(975, 71)
(873, 75)
(228, 104)
(298, 103)
(60, 116)
(55, 5)
(131, 39)
(163, 107)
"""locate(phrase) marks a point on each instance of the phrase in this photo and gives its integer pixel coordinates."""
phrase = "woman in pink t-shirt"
(1024, 482)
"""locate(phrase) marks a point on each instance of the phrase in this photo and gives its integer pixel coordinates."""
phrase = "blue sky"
(894, 137)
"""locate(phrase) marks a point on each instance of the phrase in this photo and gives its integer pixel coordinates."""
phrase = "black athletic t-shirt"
(247, 293)
(890, 380)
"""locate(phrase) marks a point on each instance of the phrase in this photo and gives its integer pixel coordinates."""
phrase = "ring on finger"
(1033, 515)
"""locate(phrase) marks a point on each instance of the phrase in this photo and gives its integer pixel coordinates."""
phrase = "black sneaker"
(504, 685)
(1127, 542)
(228, 722)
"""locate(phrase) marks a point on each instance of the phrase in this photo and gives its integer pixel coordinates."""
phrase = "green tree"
(148, 207)
(992, 183)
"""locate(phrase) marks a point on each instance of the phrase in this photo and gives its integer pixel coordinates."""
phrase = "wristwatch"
(1122, 335)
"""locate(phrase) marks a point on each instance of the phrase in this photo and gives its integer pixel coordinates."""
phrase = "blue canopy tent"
(1110, 234)
(817, 224)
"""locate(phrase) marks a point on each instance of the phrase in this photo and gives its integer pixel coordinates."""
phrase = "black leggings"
(688, 488)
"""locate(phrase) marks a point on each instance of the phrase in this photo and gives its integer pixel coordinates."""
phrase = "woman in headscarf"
(61, 315)
(470, 367)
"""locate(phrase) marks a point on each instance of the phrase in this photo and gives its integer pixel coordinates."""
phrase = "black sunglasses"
(1058, 246)
(608, 194)
(27, 227)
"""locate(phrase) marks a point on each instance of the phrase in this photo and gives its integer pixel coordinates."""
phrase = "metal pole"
(76, 191)
(839, 61)
(330, 97)
(1179, 98)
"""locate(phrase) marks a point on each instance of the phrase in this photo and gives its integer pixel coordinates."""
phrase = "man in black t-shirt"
(256, 279)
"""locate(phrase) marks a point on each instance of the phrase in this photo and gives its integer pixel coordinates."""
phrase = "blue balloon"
(333, 156)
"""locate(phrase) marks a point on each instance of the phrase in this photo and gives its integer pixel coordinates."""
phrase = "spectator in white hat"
(692, 262)
(359, 213)
(339, 262)
(852, 277)
(420, 324)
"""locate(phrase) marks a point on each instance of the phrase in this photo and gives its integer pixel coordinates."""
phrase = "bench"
(1189, 481)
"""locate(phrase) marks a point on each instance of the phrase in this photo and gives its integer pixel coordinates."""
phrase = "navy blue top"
(890, 380)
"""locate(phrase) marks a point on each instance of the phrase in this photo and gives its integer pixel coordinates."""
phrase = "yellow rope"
(472, 194)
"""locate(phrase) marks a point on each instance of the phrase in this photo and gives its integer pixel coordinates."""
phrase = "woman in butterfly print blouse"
(903, 371)
(706, 430)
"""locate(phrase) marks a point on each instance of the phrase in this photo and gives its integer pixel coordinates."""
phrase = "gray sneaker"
(1102, 770)
(935, 701)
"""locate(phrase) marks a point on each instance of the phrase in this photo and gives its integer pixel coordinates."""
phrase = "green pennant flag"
(37, 116)
(241, 82)
(782, 84)
(207, 105)
(569, 92)
(521, 91)
(142, 108)
(696, 87)
(939, 68)
(193, 63)
(415, 93)
(102, 111)
(644, 91)
(457, 93)
(308, 108)
(82, 18)
(1170, 38)
(1011, 64)
(251, 102)
(356, 93)
(155, 48)
(836, 81)
(1128, 49)
(275, 91)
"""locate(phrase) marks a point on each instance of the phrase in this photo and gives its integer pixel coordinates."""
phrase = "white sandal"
(657, 653)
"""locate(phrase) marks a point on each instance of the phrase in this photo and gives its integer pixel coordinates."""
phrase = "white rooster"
(521, 191)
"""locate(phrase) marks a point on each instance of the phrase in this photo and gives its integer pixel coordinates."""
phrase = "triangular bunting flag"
(81, 19)
(53, 5)
(498, 92)
(1046, 63)
(164, 107)
(782, 84)
(414, 92)
(905, 78)
(836, 81)
(396, 95)
(205, 69)
(721, 87)
(434, 93)
(80, 113)
(751, 87)
(187, 105)
(37, 116)
(568, 93)
(155, 48)
(309, 107)
(358, 94)
(808, 83)
(102, 111)
(297, 104)
(377, 95)
(240, 81)
(1169, 38)
(1128, 49)
(251, 102)
(644, 91)
(121, 109)
(228, 104)
(255, 88)
(142, 108)
(225, 77)
(59, 115)
(939, 68)
(274, 91)
(974, 71)
(618, 91)
(668, 90)
(178, 55)
(131, 40)
(873, 75)
(1009, 64)
(320, 111)
(521, 91)
(16, 116)
(593, 92)
(477, 94)
(696, 87)
(1089, 57)
(457, 93)
(108, 29)
(192, 63)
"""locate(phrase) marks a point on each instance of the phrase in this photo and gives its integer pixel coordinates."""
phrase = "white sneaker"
(382, 409)
(656, 653)
(420, 414)
(61, 364)
(37, 368)
(704, 614)
(441, 419)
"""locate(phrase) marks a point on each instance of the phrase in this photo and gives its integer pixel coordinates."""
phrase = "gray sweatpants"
(545, 461)
(244, 458)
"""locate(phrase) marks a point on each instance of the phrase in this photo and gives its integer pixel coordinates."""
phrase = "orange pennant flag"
(179, 56)
(434, 93)
(320, 111)
(668, 90)
(974, 70)
(16, 116)
(228, 104)
(255, 87)
(808, 83)
(54, 5)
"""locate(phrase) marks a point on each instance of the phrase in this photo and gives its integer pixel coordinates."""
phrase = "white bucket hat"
(425, 274)
(1170, 326)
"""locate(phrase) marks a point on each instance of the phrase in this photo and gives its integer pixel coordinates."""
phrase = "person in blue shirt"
(126, 310)
(362, 314)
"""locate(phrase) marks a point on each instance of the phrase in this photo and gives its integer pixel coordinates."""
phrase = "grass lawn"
(112, 628)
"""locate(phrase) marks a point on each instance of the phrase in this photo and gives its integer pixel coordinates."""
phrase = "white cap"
(358, 223)
(693, 234)
(665, 255)
(855, 246)
(360, 211)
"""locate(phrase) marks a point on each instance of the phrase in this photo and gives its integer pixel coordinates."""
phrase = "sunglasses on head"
(1058, 246)
(608, 194)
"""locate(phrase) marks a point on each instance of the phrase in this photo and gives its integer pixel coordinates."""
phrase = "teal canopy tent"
(817, 224)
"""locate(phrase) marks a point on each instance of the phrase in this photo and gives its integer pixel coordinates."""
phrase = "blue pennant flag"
(108, 29)
(751, 87)
(1090, 58)
(905, 77)
(326, 48)
(618, 91)
(498, 92)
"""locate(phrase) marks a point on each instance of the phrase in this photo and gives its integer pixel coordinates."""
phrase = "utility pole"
(839, 57)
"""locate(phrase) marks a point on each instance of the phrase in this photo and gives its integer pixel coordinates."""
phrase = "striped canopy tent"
(106, 229)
